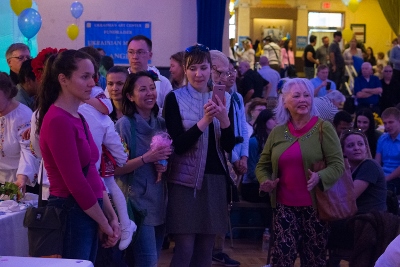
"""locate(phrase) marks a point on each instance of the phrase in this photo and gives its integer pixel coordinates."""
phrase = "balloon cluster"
(76, 11)
(29, 19)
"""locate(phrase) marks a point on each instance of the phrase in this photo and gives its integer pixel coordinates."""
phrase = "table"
(9, 261)
(13, 235)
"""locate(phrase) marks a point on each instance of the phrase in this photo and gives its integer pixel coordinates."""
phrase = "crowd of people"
(90, 125)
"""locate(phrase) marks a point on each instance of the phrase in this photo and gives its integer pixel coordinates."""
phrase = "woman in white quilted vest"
(201, 131)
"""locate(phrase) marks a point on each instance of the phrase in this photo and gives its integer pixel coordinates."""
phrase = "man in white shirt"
(272, 51)
(139, 53)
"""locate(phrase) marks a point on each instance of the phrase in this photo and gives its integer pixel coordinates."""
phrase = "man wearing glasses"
(15, 55)
(139, 54)
(224, 73)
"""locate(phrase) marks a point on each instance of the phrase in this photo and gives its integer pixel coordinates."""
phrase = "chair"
(372, 233)
(240, 205)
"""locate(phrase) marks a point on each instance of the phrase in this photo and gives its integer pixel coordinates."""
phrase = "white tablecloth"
(8, 261)
(13, 235)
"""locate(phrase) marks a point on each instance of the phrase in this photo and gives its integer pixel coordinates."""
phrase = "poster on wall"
(113, 36)
(301, 43)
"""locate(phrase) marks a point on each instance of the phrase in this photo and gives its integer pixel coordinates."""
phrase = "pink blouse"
(287, 57)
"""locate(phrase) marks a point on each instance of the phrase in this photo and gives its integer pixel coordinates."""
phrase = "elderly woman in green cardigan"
(285, 170)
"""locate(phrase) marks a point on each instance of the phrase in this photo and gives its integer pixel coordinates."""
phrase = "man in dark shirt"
(15, 55)
(367, 89)
(309, 57)
(336, 71)
(390, 89)
(253, 84)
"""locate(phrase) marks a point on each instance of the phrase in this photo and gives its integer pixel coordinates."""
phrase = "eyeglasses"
(223, 74)
(21, 58)
(199, 47)
(139, 53)
(387, 71)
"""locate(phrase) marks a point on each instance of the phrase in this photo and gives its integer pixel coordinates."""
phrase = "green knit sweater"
(280, 139)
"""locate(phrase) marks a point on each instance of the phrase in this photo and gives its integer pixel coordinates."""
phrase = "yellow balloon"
(18, 5)
(347, 34)
(72, 31)
(353, 5)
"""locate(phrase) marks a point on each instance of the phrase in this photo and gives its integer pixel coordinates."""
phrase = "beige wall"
(378, 31)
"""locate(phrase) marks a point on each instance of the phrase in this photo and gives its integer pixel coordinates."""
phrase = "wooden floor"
(247, 252)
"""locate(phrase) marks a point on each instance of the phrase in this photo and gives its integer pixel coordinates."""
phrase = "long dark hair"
(260, 127)
(286, 45)
(178, 57)
(370, 133)
(128, 107)
(50, 88)
(116, 69)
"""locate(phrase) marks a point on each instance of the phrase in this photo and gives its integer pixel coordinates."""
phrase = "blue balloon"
(29, 22)
(76, 9)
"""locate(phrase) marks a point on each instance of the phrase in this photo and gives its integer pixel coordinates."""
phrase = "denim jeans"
(146, 250)
(80, 237)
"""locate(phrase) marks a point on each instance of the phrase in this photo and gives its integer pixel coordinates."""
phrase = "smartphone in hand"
(328, 86)
(218, 90)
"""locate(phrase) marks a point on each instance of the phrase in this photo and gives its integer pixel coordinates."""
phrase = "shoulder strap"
(277, 58)
(132, 146)
(40, 201)
(321, 137)
(86, 168)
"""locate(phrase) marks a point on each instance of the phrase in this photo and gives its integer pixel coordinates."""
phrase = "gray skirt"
(207, 213)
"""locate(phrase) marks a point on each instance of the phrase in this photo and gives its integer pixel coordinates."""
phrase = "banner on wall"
(301, 43)
(113, 36)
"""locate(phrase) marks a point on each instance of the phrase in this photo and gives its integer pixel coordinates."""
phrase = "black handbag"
(45, 231)
(46, 224)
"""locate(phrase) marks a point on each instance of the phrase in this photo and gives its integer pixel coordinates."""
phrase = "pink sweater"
(292, 186)
(66, 151)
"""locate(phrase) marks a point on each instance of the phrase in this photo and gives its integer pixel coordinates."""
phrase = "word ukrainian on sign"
(113, 36)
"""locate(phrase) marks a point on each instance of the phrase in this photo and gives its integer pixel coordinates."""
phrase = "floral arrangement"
(153, 75)
(39, 61)
(378, 120)
(159, 140)
(10, 191)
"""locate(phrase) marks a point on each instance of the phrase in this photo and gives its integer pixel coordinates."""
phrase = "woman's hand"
(160, 167)
(27, 134)
(21, 182)
(106, 233)
(209, 111)
(110, 241)
(160, 153)
(313, 181)
(218, 111)
(269, 185)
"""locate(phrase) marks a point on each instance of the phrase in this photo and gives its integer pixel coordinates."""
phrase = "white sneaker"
(126, 235)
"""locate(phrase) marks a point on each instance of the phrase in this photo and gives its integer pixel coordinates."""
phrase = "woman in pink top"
(70, 154)
(287, 59)
(285, 170)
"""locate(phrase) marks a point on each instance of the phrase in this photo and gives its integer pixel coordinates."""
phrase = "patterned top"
(15, 154)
